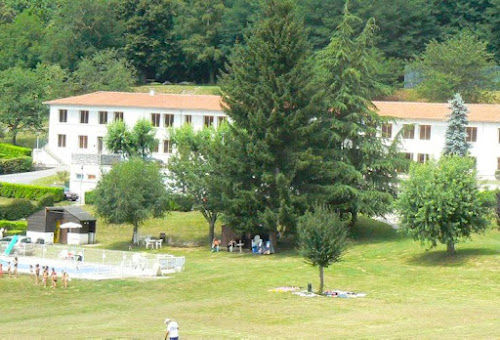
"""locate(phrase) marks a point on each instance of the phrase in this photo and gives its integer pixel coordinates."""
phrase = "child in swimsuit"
(37, 274)
(65, 279)
(1, 271)
(16, 262)
(54, 278)
(9, 269)
(45, 276)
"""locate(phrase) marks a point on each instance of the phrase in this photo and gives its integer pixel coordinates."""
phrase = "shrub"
(31, 192)
(46, 200)
(90, 197)
(182, 202)
(14, 232)
(14, 225)
(15, 165)
(18, 208)
(12, 151)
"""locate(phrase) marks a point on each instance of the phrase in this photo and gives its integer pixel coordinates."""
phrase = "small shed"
(66, 225)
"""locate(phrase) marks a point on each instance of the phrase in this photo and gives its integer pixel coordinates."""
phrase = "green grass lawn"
(182, 89)
(411, 293)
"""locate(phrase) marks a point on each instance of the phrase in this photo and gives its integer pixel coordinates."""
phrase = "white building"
(78, 125)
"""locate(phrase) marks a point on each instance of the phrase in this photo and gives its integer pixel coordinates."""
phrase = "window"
(83, 142)
(169, 120)
(409, 156)
(422, 157)
(386, 130)
(208, 120)
(61, 141)
(189, 119)
(84, 117)
(221, 120)
(471, 134)
(156, 148)
(408, 131)
(167, 147)
(155, 119)
(90, 176)
(425, 132)
(118, 116)
(79, 176)
(100, 144)
(63, 116)
(103, 117)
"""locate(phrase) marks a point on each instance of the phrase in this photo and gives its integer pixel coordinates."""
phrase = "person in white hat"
(172, 330)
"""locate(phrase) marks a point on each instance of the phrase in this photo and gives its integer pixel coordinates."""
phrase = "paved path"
(29, 177)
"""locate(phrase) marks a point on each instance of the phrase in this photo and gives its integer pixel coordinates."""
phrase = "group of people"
(35, 274)
(10, 272)
(38, 277)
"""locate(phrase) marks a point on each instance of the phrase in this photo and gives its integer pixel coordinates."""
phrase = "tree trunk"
(450, 248)
(212, 75)
(321, 279)
(211, 231)
(135, 235)
(14, 138)
(273, 237)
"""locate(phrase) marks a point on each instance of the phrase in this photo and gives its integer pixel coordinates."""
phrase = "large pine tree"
(268, 91)
(369, 165)
(455, 138)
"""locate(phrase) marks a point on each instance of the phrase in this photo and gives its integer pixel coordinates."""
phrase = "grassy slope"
(411, 293)
(184, 89)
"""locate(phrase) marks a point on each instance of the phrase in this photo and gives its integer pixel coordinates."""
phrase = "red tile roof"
(437, 111)
(403, 110)
(143, 100)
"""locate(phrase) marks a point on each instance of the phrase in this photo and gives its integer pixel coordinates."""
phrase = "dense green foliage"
(441, 202)
(130, 193)
(17, 209)
(46, 200)
(195, 174)
(456, 134)
(460, 64)
(12, 151)
(179, 40)
(31, 192)
(14, 225)
(140, 141)
(15, 165)
(322, 238)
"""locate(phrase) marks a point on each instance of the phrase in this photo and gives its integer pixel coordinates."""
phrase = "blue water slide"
(11, 245)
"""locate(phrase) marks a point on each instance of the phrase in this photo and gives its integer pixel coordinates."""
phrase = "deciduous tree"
(322, 238)
(441, 202)
(131, 192)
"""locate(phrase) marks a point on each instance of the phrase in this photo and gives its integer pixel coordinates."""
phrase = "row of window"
(168, 119)
(83, 143)
(421, 157)
(425, 132)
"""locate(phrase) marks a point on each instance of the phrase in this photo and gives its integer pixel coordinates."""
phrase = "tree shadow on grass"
(441, 258)
(366, 230)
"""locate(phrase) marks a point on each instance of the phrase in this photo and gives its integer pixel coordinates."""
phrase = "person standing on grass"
(65, 278)
(9, 270)
(37, 274)
(45, 276)
(16, 263)
(172, 330)
(1, 271)
(54, 278)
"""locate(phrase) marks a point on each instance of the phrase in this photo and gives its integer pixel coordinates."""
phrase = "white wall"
(73, 128)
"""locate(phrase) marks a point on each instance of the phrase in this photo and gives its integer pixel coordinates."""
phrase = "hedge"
(31, 192)
(14, 225)
(12, 151)
(15, 165)
(90, 197)
(17, 209)
(13, 232)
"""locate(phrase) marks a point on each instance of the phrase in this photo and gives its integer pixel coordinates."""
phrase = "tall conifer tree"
(455, 138)
(269, 97)
(347, 72)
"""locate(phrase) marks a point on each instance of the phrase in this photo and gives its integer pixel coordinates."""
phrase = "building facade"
(78, 125)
